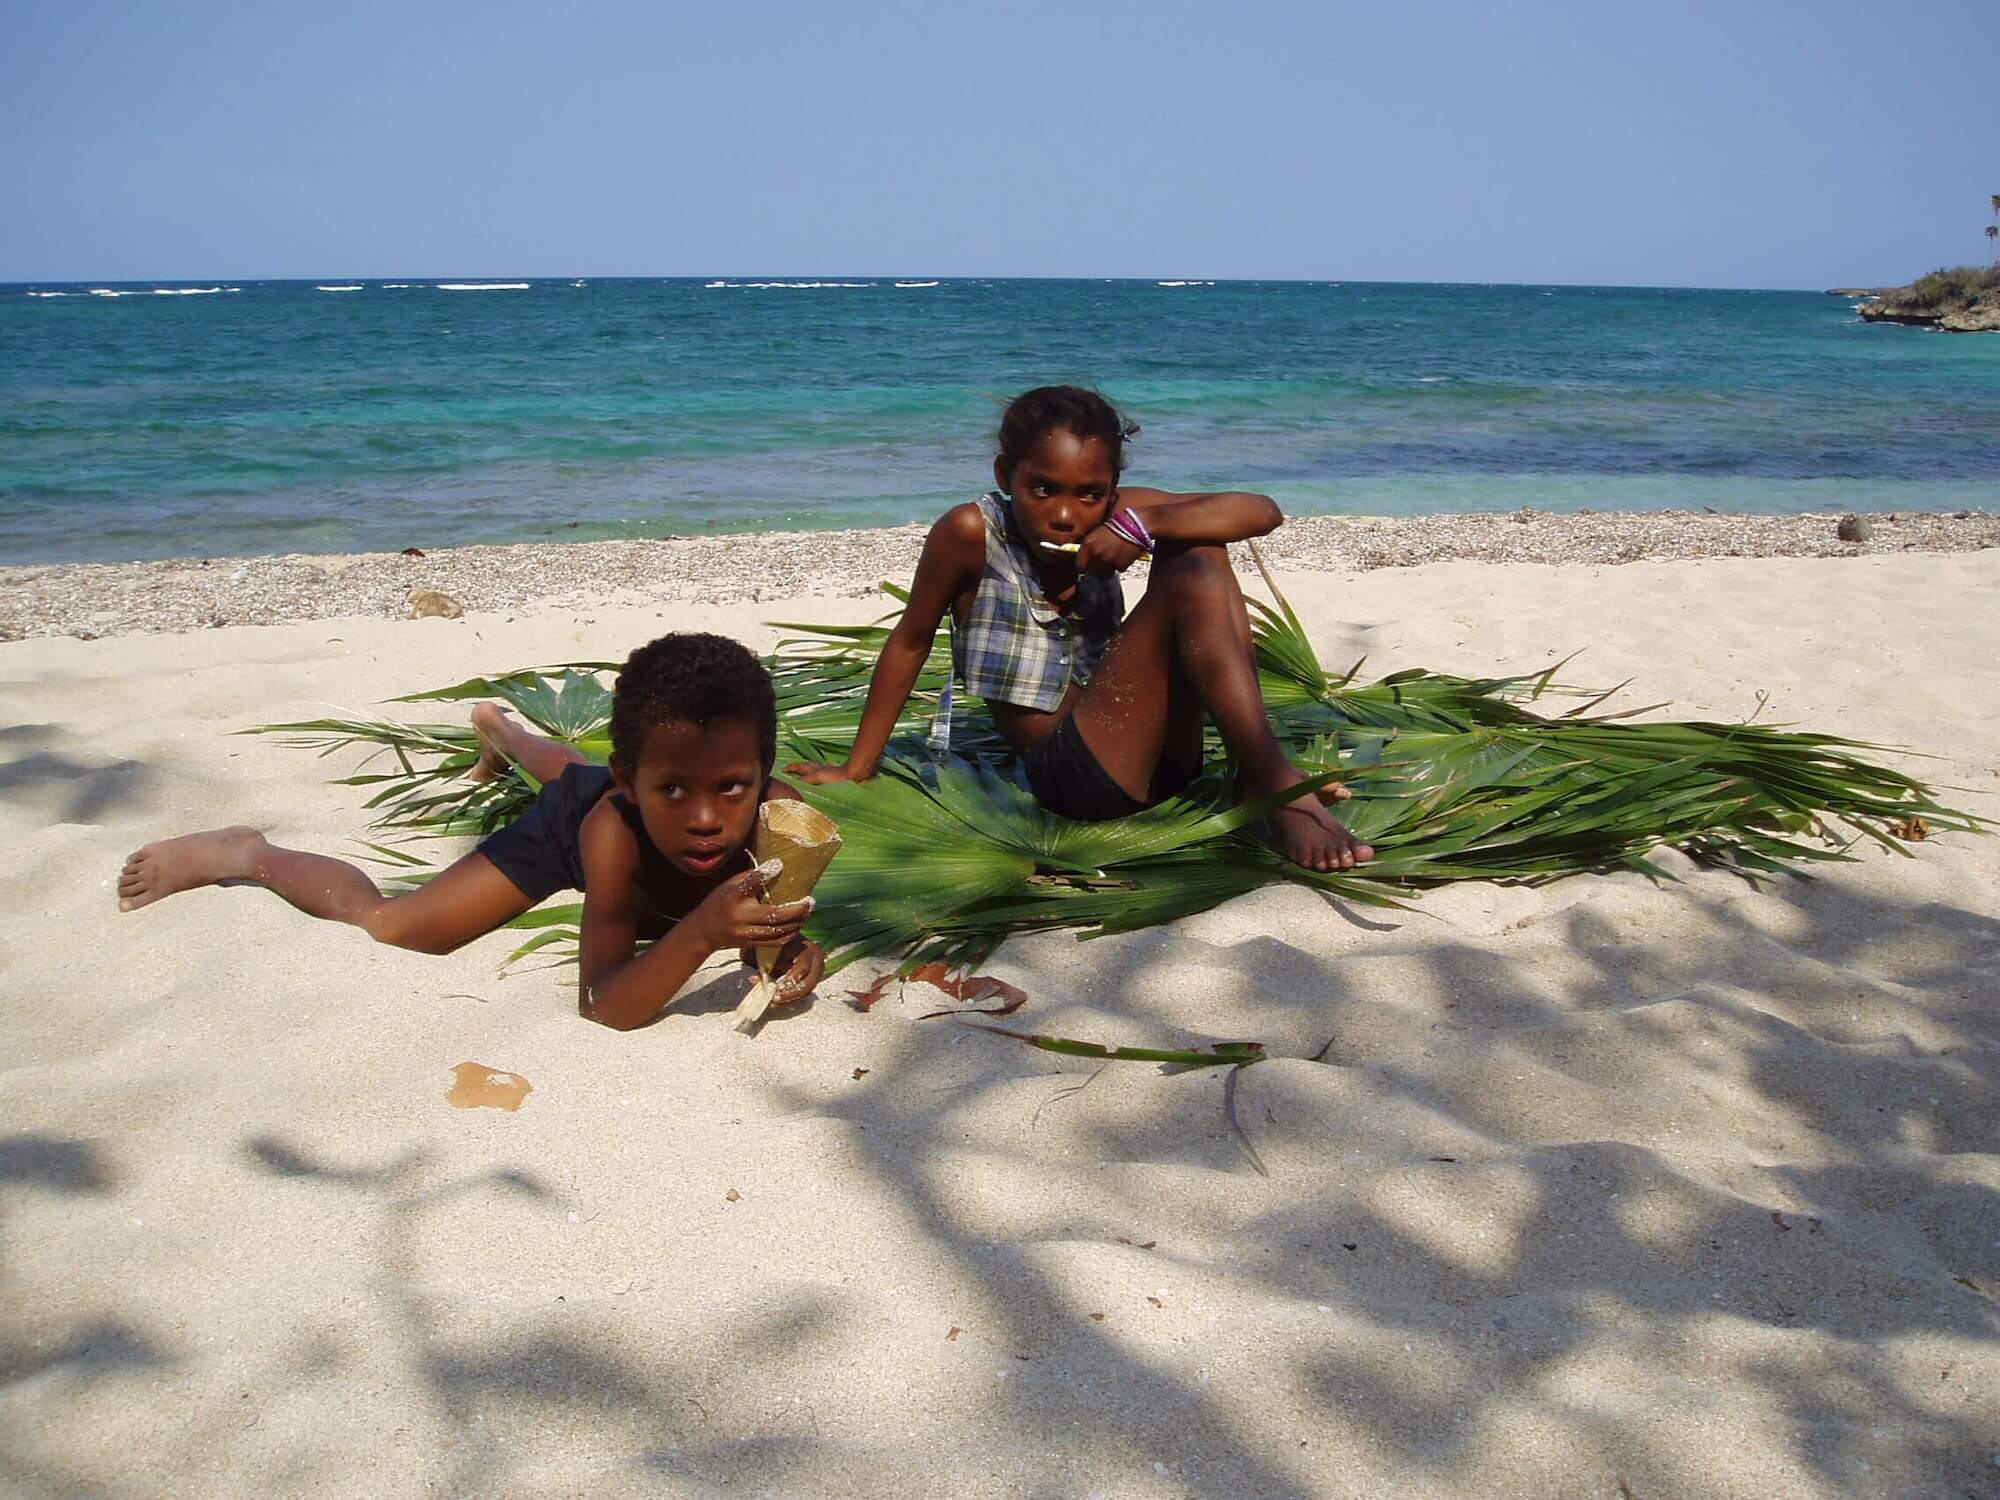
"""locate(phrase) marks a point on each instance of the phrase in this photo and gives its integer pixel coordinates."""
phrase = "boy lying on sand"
(657, 842)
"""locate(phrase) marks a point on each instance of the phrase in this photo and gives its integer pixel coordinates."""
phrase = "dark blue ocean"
(141, 420)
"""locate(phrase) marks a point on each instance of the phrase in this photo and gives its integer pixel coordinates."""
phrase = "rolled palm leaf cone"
(803, 840)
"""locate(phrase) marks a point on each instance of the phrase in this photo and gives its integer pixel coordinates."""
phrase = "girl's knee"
(1204, 552)
(1192, 565)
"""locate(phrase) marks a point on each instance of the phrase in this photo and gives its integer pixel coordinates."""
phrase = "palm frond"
(569, 702)
(1453, 778)
(822, 674)
(1177, 1059)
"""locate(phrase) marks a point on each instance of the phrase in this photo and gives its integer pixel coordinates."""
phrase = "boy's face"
(1062, 488)
(697, 787)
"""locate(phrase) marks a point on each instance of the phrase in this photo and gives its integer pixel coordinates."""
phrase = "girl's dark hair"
(1033, 415)
(697, 679)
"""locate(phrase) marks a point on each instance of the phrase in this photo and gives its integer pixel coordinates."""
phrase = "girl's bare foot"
(1304, 831)
(194, 859)
(1307, 834)
(1333, 791)
(491, 724)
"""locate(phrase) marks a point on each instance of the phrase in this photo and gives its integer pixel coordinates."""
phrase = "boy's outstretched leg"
(1192, 633)
(170, 866)
(467, 901)
(504, 741)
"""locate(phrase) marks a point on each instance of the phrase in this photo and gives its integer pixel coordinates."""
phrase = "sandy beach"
(1616, 1188)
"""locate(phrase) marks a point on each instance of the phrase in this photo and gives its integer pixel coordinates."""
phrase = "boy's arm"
(619, 990)
(954, 553)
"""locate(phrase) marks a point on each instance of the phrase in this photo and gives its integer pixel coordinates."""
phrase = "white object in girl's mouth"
(1063, 546)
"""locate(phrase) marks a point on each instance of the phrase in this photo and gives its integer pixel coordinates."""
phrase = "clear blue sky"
(1761, 143)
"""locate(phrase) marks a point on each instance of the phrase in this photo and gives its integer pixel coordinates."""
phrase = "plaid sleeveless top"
(1014, 646)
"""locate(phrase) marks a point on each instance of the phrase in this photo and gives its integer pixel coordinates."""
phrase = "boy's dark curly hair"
(695, 678)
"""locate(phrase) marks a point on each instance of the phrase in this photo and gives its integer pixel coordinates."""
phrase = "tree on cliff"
(1992, 233)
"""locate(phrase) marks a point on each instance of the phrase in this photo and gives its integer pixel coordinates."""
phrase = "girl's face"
(697, 787)
(1062, 488)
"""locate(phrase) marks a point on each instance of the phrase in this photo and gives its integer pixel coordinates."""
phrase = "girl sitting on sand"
(1105, 709)
(656, 841)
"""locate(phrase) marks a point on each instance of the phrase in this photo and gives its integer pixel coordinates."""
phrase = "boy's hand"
(818, 773)
(734, 915)
(800, 968)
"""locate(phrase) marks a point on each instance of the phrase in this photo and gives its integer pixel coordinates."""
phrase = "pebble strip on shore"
(90, 600)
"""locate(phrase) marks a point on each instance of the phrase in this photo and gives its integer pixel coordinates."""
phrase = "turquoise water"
(275, 416)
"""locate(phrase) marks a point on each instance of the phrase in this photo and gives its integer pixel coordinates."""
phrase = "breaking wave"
(790, 285)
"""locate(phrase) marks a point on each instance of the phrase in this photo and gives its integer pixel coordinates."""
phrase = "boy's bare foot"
(194, 859)
(1305, 832)
(491, 724)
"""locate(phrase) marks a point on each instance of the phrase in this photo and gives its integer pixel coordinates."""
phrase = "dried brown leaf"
(967, 990)
(972, 988)
(863, 999)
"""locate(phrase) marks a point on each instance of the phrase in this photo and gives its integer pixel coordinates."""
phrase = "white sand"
(1720, 1214)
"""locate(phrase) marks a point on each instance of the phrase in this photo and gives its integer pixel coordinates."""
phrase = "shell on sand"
(435, 604)
(803, 840)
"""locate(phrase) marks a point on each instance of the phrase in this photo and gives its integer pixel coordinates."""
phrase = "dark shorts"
(1067, 778)
(540, 851)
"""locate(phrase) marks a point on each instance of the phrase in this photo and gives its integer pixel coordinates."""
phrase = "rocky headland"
(1963, 299)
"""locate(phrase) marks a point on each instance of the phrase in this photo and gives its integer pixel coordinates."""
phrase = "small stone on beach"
(428, 604)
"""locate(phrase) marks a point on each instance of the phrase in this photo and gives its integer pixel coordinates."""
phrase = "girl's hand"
(1104, 551)
(800, 968)
(734, 915)
(818, 773)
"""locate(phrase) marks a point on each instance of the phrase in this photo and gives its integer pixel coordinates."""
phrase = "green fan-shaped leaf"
(1453, 778)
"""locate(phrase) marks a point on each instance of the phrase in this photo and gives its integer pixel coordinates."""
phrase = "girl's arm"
(954, 553)
(1226, 516)
(619, 990)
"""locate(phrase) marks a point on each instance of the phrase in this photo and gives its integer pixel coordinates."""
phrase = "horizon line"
(882, 276)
